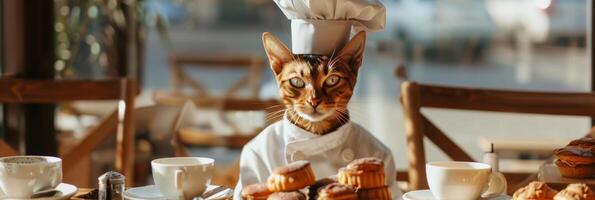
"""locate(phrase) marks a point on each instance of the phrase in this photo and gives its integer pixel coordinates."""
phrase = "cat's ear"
(353, 52)
(277, 52)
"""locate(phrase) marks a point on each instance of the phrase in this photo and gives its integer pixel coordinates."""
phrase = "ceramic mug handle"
(496, 185)
(179, 183)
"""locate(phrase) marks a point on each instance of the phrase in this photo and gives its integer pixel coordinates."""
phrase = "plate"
(151, 192)
(65, 191)
(427, 195)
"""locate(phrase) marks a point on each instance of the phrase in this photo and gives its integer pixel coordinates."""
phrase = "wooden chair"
(186, 135)
(120, 121)
(415, 96)
(231, 101)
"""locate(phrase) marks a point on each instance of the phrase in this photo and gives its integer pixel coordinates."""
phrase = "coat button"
(347, 155)
(297, 155)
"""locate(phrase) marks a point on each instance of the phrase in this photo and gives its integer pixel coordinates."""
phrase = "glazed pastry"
(576, 192)
(363, 173)
(259, 191)
(577, 159)
(535, 191)
(335, 191)
(318, 185)
(379, 193)
(295, 195)
(294, 176)
(586, 142)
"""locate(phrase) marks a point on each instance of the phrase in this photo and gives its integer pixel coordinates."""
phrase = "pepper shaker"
(111, 186)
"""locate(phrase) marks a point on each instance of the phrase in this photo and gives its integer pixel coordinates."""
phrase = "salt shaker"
(111, 186)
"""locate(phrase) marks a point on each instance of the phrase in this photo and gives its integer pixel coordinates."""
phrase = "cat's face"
(315, 87)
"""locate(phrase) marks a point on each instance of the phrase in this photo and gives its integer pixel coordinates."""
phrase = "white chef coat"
(283, 142)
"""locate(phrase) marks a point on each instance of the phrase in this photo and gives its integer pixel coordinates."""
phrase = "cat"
(315, 89)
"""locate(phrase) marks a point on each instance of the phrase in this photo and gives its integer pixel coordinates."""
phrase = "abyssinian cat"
(316, 89)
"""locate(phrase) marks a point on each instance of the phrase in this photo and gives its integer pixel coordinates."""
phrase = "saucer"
(151, 192)
(427, 195)
(65, 191)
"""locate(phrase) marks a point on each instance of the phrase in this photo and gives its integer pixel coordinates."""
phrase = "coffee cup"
(451, 180)
(182, 177)
(22, 176)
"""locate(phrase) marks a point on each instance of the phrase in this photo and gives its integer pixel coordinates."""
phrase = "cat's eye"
(297, 82)
(332, 80)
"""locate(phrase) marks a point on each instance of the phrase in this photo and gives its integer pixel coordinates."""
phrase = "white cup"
(182, 177)
(451, 180)
(22, 176)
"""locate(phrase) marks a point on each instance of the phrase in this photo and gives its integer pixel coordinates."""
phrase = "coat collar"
(298, 139)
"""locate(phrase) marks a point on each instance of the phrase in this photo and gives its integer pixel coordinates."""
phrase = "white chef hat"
(323, 26)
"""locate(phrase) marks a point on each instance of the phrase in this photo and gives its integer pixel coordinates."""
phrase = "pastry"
(586, 142)
(363, 173)
(258, 191)
(318, 185)
(571, 169)
(335, 191)
(291, 177)
(577, 159)
(576, 192)
(534, 191)
(379, 193)
(295, 195)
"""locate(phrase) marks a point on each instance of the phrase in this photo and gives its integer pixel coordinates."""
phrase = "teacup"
(451, 180)
(22, 176)
(182, 177)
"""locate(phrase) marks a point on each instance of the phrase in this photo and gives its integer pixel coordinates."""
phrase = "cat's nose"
(314, 102)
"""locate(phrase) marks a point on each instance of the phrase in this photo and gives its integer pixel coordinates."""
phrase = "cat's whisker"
(272, 119)
(274, 114)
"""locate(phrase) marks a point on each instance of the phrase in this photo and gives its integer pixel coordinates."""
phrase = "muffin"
(576, 192)
(259, 191)
(295, 195)
(318, 185)
(534, 191)
(335, 191)
(379, 193)
(291, 177)
(577, 159)
(363, 173)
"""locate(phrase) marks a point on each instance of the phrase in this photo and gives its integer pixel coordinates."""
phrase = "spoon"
(44, 193)
(211, 193)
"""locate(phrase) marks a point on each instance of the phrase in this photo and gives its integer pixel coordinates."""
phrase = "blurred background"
(538, 45)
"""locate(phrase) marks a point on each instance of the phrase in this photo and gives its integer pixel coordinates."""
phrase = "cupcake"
(335, 191)
(534, 191)
(577, 159)
(294, 176)
(363, 173)
(576, 192)
(259, 191)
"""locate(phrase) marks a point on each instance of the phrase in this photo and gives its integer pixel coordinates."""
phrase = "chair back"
(120, 121)
(253, 64)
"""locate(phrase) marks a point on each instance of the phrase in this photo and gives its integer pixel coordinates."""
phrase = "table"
(82, 191)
